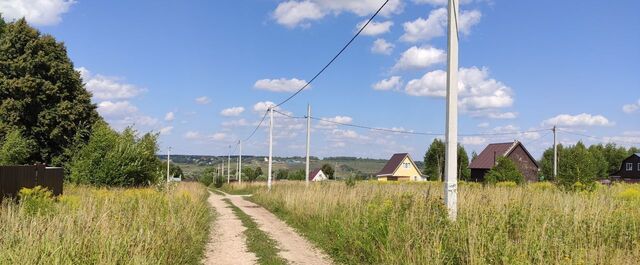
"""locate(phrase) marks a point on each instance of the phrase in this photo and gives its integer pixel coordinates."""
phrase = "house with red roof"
(400, 168)
(317, 175)
(515, 151)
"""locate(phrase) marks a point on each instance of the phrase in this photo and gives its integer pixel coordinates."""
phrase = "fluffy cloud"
(166, 130)
(294, 13)
(381, 46)
(262, 106)
(375, 28)
(280, 85)
(583, 119)
(417, 58)
(218, 136)
(104, 87)
(39, 12)
(192, 135)
(476, 90)
(204, 100)
(392, 83)
(631, 108)
(170, 116)
(230, 112)
(440, 2)
(473, 140)
(120, 109)
(436, 23)
(235, 123)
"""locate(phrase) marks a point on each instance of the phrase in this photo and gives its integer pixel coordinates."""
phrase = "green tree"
(207, 176)
(41, 93)
(578, 169)
(282, 174)
(505, 170)
(546, 163)
(258, 172)
(601, 164)
(434, 161)
(249, 173)
(614, 156)
(15, 149)
(175, 171)
(117, 159)
(328, 170)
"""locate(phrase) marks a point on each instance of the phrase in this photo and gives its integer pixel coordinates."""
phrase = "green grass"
(258, 241)
(90, 225)
(246, 188)
(217, 192)
(391, 223)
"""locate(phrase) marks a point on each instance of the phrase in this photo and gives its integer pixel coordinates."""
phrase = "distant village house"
(317, 175)
(515, 151)
(400, 168)
(629, 170)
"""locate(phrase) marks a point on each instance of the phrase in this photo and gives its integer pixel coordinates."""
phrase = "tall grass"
(108, 226)
(243, 188)
(375, 223)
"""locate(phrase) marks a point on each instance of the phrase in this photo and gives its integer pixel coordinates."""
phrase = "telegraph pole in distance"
(451, 161)
(270, 146)
(308, 142)
(555, 154)
(240, 163)
(168, 161)
(228, 165)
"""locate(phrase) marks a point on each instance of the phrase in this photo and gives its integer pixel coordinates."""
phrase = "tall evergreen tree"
(41, 94)
(434, 161)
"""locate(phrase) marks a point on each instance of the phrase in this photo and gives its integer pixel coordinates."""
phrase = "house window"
(629, 166)
(638, 166)
(406, 165)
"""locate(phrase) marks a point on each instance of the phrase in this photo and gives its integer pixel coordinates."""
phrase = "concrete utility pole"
(555, 154)
(229, 165)
(240, 163)
(270, 146)
(451, 160)
(308, 142)
(168, 161)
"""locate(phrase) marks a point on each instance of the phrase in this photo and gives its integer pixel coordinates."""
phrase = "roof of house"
(487, 158)
(314, 173)
(394, 162)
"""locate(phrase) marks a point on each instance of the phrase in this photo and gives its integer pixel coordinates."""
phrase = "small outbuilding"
(400, 168)
(515, 151)
(629, 170)
(317, 175)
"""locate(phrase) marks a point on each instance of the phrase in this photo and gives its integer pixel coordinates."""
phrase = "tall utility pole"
(240, 163)
(555, 154)
(228, 165)
(308, 142)
(270, 146)
(451, 161)
(168, 161)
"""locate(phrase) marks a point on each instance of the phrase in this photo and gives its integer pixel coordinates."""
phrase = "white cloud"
(170, 116)
(375, 28)
(262, 106)
(218, 136)
(281, 85)
(441, 2)
(392, 83)
(473, 140)
(345, 134)
(38, 12)
(381, 46)
(583, 119)
(631, 108)
(204, 100)
(502, 115)
(105, 87)
(192, 135)
(417, 58)
(476, 90)
(435, 25)
(166, 130)
(230, 112)
(483, 125)
(110, 109)
(235, 123)
(294, 13)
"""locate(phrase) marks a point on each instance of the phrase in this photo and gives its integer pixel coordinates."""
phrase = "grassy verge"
(107, 226)
(217, 192)
(245, 188)
(258, 241)
(374, 223)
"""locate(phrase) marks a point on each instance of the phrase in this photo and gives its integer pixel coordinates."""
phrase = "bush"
(206, 176)
(543, 185)
(629, 194)
(508, 184)
(219, 181)
(16, 150)
(350, 181)
(505, 170)
(34, 201)
(116, 159)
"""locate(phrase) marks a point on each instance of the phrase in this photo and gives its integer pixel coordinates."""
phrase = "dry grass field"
(375, 223)
(88, 225)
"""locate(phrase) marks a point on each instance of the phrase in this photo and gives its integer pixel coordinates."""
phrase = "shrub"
(16, 149)
(350, 181)
(543, 185)
(206, 176)
(508, 184)
(219, 181)
(629, 194)
(505, 170)
(38, 200)
(116, 159)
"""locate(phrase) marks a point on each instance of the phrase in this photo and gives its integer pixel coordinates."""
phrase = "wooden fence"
(14, 178)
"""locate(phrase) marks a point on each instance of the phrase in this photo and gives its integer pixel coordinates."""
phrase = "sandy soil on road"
(227, 243)
(293, 247)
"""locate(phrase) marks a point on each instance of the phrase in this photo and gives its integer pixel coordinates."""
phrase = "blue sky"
(201, 72)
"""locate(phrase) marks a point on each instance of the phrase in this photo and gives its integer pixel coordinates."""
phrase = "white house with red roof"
(317, 175)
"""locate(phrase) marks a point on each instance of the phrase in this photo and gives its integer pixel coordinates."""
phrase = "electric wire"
(603, 139)
(334, 57)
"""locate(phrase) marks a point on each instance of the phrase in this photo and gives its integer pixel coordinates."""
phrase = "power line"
(334, 57)
(257, 127)
(603, 139)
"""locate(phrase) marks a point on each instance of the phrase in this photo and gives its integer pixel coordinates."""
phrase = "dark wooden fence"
(14, 178)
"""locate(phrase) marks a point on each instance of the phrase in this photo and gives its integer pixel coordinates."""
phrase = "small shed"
(400, 167)
(515, 151)
(317, 175)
